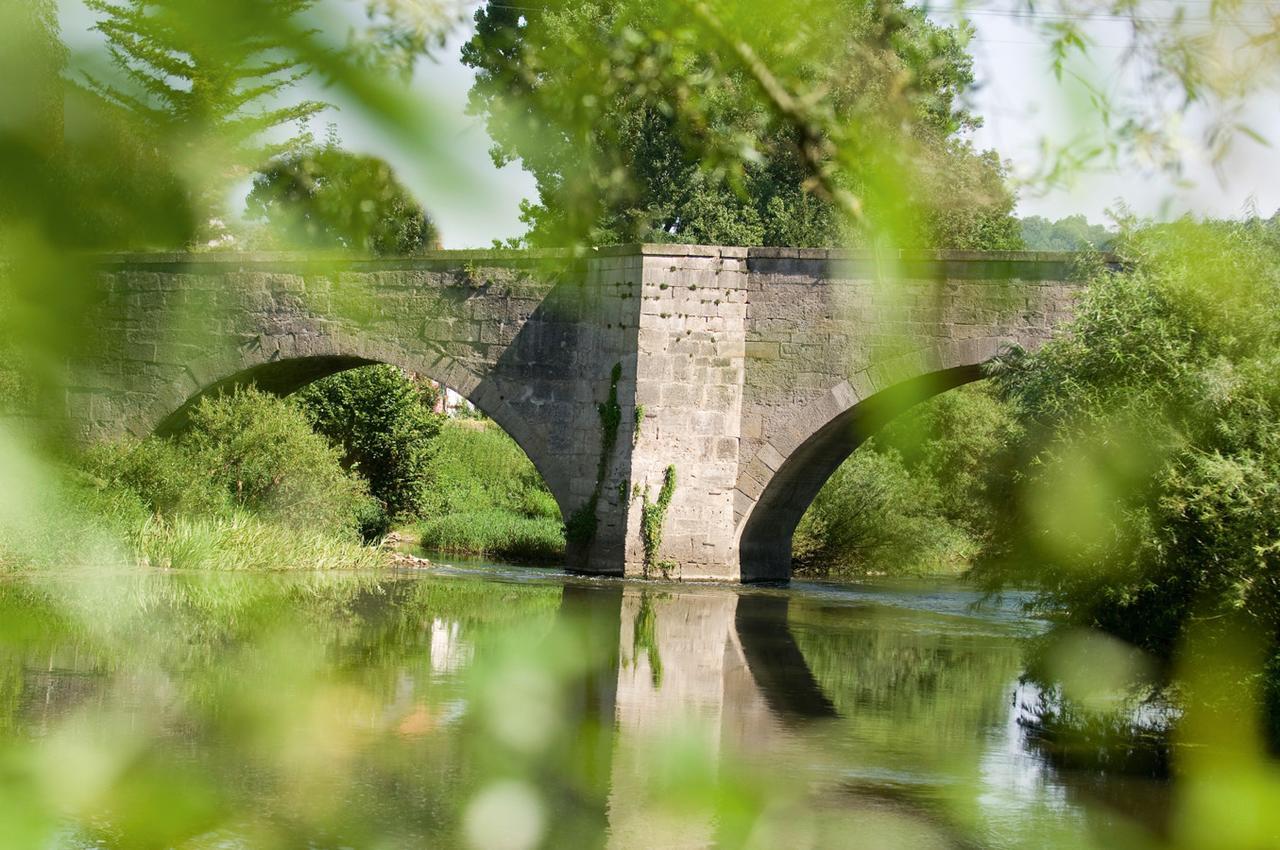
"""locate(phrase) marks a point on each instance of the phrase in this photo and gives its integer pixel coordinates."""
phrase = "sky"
(1022, 105)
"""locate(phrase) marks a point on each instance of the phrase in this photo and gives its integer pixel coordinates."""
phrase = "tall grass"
(495, 533)
(484, 497)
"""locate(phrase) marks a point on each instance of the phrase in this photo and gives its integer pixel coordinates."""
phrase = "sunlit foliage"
(679, 122)
(322, 197)
(1149, 506)
(377, 416)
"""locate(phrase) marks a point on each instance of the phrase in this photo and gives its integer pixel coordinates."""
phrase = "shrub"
(872, 516)
(484, 497)
(956, 444)
(474, 466)
(1147, 505)
(376, 415)
(262, 451)
(161, 473)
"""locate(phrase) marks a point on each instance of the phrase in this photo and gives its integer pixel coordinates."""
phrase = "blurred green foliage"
(206, 101)
(1147, 506)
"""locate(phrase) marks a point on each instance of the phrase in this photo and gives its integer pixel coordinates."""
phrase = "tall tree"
(208, 82)
(672, 121)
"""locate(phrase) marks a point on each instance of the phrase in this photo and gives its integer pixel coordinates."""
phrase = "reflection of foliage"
(375, 414)
(1149, 504)
(644, 637)
(692, 136)
(903, 679)
(329, 198)
(195, 688)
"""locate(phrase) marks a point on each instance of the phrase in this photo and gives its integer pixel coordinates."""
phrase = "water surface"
(506, 707)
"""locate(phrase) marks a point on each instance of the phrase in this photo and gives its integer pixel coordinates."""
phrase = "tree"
(1147, 505)
(1073, 233)
(206, 81)
(397, 34)
(376, 415)
(32, 61)
(646, 122)
(325, 197)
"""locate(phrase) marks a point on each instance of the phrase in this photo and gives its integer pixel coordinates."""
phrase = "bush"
(872, 516)
(485, 497)
(1148, 505)
(474, 466)
(956, 444)
(262, 452)
(377, 416)
(163, 475)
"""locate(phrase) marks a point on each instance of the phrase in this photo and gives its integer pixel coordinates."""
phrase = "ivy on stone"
(652, 516)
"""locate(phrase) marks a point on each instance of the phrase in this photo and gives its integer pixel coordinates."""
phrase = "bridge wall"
(752, 372)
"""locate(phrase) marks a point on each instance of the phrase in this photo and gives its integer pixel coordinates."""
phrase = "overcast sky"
(1017, 96)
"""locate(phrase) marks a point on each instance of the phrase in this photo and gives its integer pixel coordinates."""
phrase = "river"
(499, 707)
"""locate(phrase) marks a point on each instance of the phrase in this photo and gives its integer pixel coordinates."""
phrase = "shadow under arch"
(285, 376)
(766, 533)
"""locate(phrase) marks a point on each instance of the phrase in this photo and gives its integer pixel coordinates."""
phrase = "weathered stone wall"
(839, 342)
(756, 371)
(529, 339)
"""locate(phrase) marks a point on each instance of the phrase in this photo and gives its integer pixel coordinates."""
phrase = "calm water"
(490, 707)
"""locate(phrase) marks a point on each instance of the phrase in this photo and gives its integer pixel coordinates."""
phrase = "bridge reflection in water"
(645, 715)
(718, 667)
(905, 735)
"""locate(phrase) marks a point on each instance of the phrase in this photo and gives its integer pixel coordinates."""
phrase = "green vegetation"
(248, 486)
(1073, 233)
(1147, 505)
(484, 497)
(382, 421)
(652, 516)
(678, 142)
(325, 197)
(581, 526)
(918, 497)
(212, 100)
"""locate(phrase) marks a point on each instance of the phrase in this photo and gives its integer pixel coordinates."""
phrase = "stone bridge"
(750, 372)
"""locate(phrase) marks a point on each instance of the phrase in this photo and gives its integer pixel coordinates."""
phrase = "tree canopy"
(637, 127)
(326, 197)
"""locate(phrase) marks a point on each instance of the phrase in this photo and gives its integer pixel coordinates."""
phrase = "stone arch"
(843, 421)
(282, 374)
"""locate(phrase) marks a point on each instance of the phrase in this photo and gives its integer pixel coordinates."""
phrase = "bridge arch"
(765, 532)
(283, 375)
